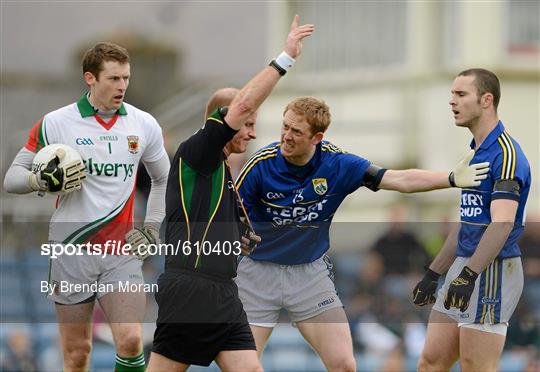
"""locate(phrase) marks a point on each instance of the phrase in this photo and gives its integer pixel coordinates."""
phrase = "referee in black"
(200, 316)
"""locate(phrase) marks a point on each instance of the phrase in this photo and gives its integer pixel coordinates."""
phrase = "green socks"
(129, 364)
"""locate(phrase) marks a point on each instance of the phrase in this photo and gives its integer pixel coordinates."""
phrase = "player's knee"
(77, 354)
(257, 368)
(428, 363)
(129, 345)
(251, 366)
(470, 364)
(348, 365)
(423, 364)
(254, 366)
(343, 365)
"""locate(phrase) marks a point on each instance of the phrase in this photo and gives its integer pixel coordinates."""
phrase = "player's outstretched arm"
(253, 94)
(418, 180)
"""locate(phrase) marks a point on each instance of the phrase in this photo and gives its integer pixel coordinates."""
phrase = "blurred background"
(384, 68)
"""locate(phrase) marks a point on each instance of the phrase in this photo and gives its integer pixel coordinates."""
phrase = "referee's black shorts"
(198, 317)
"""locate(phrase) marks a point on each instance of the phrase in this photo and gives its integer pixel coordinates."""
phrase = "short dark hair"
(485, 82)
(102, 52)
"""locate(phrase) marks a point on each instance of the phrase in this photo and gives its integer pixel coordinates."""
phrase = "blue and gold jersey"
(508, 165)
(291, 207)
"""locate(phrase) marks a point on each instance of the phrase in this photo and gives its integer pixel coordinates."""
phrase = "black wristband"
(468, 273)
(432, 275)
(278, 68)
(451, 179)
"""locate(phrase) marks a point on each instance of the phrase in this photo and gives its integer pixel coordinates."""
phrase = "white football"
(47, 153)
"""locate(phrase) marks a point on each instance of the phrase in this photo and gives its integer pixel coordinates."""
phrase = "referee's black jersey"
(202, 230)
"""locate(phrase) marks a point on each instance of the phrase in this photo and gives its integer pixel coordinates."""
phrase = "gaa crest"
(320, 186)
(133, 144)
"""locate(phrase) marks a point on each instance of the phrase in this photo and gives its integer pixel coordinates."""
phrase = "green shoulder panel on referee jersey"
(86, 109)
(218, 178)
(216, 116)
(188, 176)
(216, 193)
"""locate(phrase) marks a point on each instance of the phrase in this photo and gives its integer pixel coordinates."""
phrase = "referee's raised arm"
(252, 95)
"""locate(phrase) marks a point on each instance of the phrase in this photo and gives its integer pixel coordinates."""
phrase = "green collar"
(86, 109)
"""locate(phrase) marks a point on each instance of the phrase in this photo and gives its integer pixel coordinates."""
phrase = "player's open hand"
(293, 46)
(466, 175)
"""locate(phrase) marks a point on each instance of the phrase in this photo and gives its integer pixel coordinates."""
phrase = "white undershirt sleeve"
(16, 178)
(155, 208)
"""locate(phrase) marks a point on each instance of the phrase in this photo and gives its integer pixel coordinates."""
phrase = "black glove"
(424, 292)
(247, 232)
(53, 175)
(460, 290)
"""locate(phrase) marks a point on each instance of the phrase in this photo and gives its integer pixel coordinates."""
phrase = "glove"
(140, 239)
(465, 175)
(424, 292)
(248, 238)
(460, 290)
(57, 177)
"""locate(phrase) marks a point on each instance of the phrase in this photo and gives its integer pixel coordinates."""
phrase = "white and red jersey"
(103, 209)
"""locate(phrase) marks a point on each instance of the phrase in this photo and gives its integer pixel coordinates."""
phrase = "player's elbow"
(401, 186)
(503, 225)
(244, 105)
(405, 188)
(16, 180)
(397, 180)
(8, 185)
(245, 108)
(240, 111)
(160, 180)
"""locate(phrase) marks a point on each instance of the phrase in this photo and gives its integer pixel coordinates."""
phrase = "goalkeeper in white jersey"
(113, 138)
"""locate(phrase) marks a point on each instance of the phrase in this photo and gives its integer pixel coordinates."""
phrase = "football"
(69, 162)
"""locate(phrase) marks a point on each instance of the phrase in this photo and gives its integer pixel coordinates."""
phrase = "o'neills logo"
(133, 144)
(489, 301)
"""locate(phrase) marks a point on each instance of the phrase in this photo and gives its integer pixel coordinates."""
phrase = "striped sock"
(129, 364)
